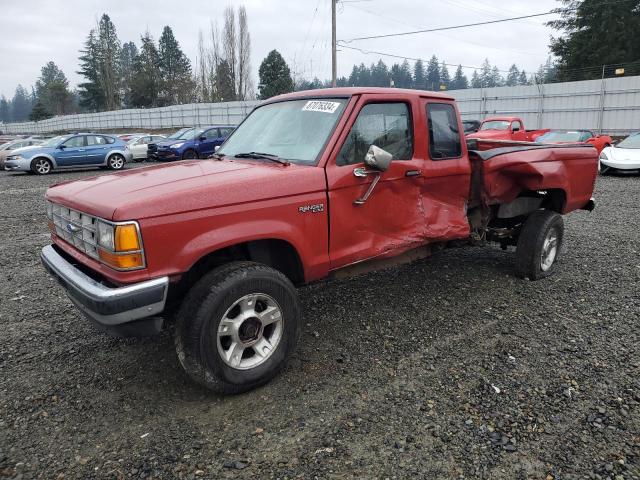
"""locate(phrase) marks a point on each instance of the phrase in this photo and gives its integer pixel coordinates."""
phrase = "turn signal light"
(123, 261)
(126, 238)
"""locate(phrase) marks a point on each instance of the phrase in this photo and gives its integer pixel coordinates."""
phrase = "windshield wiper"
(266, 156)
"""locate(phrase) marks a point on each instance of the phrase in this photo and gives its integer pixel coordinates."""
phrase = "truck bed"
(501, 170)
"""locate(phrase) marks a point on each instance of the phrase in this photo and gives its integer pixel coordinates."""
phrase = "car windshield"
(134, 139)
(571, 136)
(495, 125)
(294, 130)
(632, 141)
(181, 134)
(52, 142)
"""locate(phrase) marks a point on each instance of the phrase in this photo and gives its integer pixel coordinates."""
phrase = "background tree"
(380, 76)
(401, 75)
(146, 80)
(419, 76)
(433, 74)
(460, 80)
(485, 74)
(52, 92)
(39, 112)
(476, 81)
(513, 76)
(230, 44)
(128, 56)
(91, 94)
(522, 79)
(5, 112)
(20, 105)
(110, 73)
(593, 29)
(445, 78)
(175, 71)
(495, 80)
(225, 88)
(245, 86)
(275, 76)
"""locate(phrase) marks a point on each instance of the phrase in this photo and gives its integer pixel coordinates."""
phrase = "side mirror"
(378, 158)
(202, 138)
(216, 148)
(61, 147)
(516, 129)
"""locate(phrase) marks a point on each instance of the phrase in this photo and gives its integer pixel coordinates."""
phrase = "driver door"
(391, 219)
(73, 152)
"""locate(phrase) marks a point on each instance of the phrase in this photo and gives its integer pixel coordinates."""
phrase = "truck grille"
(77, 229)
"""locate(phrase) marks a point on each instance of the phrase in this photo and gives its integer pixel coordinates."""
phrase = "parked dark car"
(197, 142)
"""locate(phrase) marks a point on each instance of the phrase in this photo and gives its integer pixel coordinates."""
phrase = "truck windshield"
(495, 125)
(294, 130)
(632, 141)
(574, 136)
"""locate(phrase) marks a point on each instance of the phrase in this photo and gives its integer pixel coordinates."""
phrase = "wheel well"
(278, 254)
(43, 158)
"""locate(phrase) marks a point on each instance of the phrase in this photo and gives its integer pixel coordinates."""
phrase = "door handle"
(412, 173)
(363, 172)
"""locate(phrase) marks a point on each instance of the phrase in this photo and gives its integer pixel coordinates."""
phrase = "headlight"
(120, 246)
(603, 156)
(177, 145)
(49, 210)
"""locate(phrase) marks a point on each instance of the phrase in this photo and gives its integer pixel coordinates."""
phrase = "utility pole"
(334, 61)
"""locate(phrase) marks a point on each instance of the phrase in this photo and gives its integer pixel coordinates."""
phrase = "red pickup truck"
(505, 128)
(312, 184)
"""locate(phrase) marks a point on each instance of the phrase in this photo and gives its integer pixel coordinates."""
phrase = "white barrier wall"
(609, 106)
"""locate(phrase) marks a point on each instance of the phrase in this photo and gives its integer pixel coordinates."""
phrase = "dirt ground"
(446, 368)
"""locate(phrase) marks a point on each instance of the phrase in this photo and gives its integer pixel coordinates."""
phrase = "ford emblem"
(73, 228)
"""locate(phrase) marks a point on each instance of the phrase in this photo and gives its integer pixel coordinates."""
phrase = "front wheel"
(41, 166)
(237, 327)
(539, 245)
(115, 162)
(189, 154)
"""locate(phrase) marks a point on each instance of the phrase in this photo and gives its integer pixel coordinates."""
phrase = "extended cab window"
(385, 125)
(444, 136)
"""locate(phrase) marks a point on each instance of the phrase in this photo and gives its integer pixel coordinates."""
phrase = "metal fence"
(609, 106)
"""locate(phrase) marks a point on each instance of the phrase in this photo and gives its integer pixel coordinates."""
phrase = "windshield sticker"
(320, 106)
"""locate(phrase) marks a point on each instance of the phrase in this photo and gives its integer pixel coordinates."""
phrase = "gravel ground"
(446, 368)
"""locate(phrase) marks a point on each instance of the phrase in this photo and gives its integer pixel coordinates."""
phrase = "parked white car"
(624, 156)
(138, 145)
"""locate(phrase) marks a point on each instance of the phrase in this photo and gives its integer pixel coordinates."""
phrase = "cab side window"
(385, 125)
(444, 136)
(516, 126)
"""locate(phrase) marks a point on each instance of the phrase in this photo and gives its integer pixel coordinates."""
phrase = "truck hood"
(185, 186)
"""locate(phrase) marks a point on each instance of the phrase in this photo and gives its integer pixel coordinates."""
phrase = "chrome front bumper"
(106, 306)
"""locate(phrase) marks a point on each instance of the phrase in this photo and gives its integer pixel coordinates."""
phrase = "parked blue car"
(71, 151)
(197, 142)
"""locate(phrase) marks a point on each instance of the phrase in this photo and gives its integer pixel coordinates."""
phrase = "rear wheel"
(237, 327)
(189, 154)
(115, 162)
(539, 245)
(41, 166)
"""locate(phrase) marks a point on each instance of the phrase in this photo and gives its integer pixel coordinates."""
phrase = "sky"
(35, 32)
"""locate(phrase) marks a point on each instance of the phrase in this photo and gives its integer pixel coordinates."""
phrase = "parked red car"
(505, 128)
(576, 136)
(311, 184)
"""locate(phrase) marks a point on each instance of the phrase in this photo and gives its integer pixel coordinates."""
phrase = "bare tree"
(201, 70)
(229, 44)
(244, 56)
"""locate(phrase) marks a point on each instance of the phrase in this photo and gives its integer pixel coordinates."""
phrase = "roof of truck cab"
(501, 119)
(349, 91)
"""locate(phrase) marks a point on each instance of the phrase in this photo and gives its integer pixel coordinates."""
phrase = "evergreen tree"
(20, 105)
(496, 79)
(513, 77)
(5, 111)
(146, 80)
(275, 76)
(91, 95)
(127, 59)
(175, 71)
(52, 92)
(522, 78)
(485, 74)
(110, 76)
(593, 29)
(401, 75)
(460, 80)
(380, 76)
(476, 81)
(39, 112)
(225, 89)
(433, 74)
(445, 79)
(419, 76)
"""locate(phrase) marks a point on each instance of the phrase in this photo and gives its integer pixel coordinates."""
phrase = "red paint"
(521, 135)
(189, 209)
